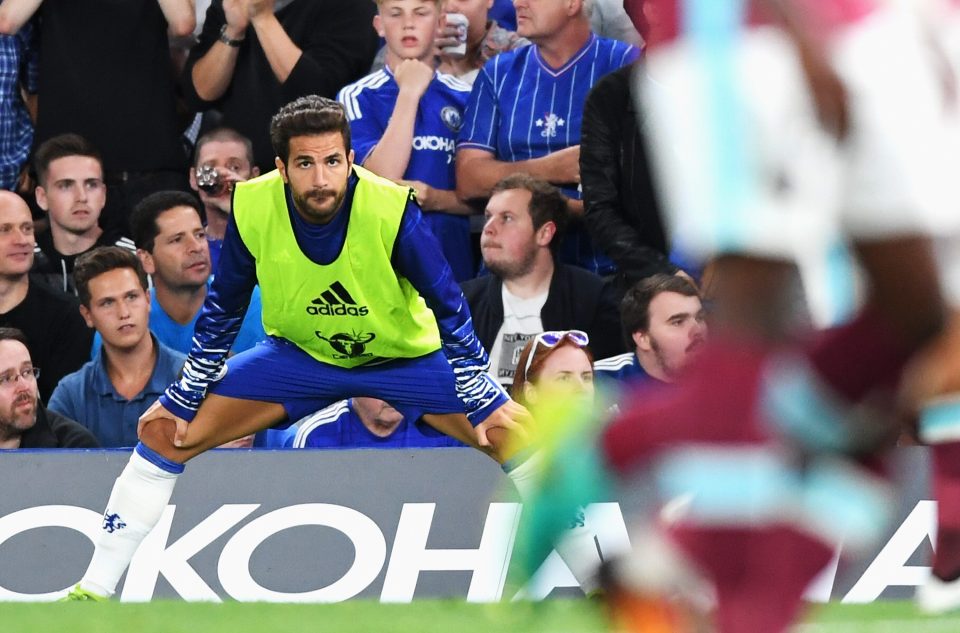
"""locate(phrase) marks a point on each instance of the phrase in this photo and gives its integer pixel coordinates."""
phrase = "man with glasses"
(71, 190)
(24, 421)
(57, 337)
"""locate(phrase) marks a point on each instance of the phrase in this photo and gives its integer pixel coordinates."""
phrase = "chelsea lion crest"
(451, 117)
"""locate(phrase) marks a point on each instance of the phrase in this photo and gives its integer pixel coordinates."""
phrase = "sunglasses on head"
(552, 339)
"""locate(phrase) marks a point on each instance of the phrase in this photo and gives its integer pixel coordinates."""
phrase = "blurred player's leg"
(896, 195)
(939, 427)
(756, 590)
(851, 370)
(933, 385)
(655, 587)
(577, 546)
(749, 173)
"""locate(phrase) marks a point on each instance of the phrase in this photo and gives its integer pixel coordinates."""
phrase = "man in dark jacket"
(59, 341)
(71, 190)
(528, 292)
(24, 422)
(621, 207)
(251, 58)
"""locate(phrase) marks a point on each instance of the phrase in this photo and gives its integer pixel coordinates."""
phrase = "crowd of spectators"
(123, 133)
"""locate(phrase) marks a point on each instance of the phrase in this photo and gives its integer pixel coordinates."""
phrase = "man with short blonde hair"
(404, 120)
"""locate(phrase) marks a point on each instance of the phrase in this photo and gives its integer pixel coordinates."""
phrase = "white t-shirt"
(521, 322)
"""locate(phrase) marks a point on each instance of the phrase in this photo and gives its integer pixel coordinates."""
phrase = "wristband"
(226, 40)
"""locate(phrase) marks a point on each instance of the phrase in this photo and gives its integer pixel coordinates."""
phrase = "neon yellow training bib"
(352, 311)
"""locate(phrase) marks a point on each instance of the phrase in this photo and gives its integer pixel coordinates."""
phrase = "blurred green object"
(573, 473)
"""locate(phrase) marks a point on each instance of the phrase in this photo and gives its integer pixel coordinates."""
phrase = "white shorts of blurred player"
(744, 166)
(943, 20)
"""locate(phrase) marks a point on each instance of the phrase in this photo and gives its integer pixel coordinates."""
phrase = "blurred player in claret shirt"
(932, 386)
(754, 103)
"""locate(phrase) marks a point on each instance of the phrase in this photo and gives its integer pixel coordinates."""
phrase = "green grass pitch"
(560, 616)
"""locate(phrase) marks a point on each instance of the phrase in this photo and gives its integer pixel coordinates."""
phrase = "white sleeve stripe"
(454, 82)
(471, 145)
(615, 362)
(348, 96)
(516, 100)
(312, 422)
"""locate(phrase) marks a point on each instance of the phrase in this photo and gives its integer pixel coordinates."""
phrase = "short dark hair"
(62, 146)
(223, 135)
(635, 306)
(547, 204)
(13, 334)
(143, 218)
(307, 116)
(101, 260)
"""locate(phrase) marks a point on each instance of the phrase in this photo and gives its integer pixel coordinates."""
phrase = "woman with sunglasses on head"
(554, 366)
(555, 361)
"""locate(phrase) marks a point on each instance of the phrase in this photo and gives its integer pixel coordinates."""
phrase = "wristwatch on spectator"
(226, 40)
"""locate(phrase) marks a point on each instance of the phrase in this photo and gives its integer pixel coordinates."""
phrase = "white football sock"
(139, 497)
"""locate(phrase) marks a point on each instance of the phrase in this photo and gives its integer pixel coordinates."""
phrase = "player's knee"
(157, 434)
(503, 444)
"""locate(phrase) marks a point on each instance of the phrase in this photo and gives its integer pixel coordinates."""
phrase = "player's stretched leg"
(143, 489)
(941, 592)
(933, 385)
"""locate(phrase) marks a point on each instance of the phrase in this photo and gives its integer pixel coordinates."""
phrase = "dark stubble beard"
(661, 361)
(513, 270)
(302, 203)
(11, 427)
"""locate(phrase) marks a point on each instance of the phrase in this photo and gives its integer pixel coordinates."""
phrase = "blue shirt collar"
(101, 379)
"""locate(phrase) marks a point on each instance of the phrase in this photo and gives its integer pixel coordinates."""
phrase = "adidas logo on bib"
(336, 301)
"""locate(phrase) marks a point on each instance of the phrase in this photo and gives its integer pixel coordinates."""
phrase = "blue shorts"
(276, 370)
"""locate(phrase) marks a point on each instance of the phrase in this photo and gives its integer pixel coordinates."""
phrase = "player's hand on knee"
(518, 414)
(512, 418)
(157, 412)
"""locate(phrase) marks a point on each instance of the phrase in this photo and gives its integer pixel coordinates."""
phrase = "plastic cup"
(460, 21)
